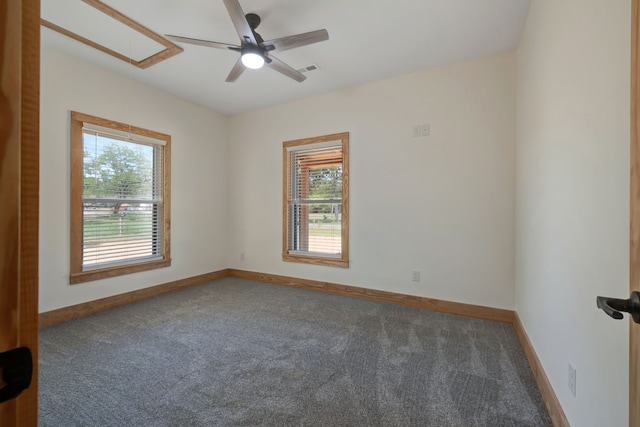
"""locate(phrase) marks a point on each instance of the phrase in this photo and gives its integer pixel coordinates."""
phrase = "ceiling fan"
(254, 51)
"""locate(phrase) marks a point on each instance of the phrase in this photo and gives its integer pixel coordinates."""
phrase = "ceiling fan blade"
(201, 42)
(235, 72)
(283, 68)
(289, 42)
(240, 22)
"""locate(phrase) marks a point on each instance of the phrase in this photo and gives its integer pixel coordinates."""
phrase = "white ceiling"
(369, 40)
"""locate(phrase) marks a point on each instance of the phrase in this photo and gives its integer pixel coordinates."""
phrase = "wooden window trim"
(77, 174)
(343, 261)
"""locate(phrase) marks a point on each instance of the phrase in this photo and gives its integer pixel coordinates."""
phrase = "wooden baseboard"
(487, 313)
(548, 394)
(72, 312)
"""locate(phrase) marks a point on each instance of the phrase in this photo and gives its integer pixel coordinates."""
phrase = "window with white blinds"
(120, 198)
(315, 219)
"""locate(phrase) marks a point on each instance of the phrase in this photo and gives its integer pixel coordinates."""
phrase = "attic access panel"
(101, 27)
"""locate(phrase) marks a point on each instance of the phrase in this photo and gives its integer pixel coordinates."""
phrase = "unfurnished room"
(320, 213)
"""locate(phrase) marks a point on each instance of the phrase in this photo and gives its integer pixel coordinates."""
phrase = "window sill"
(316, 260)
(103, 273)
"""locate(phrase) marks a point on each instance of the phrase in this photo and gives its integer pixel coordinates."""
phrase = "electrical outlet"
(417, 130)
(572, 380)
(241, 256)
(415, 275)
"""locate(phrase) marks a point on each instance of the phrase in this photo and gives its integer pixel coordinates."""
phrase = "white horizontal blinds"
(122, 200)
(315, 199)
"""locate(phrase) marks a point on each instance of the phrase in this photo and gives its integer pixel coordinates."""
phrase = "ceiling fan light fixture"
(252, 57)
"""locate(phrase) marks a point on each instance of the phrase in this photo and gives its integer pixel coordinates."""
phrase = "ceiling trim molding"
(170, 50)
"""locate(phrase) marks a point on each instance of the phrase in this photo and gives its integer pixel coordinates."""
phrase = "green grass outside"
(324, 225)
(104, 226)
(325, 232)
(132, 225)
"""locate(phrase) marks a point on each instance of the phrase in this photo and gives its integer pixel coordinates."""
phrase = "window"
(316, 200)
(120, 210)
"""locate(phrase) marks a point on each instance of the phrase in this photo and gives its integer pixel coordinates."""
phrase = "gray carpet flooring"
(241, 353)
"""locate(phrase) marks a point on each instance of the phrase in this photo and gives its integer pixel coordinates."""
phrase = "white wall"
(199, 175)
(443, 204)
(573, 199)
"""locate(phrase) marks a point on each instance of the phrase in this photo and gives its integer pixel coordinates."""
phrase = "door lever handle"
(613, 306)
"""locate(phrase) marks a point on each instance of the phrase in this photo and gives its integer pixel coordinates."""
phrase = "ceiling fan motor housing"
(253, 20)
